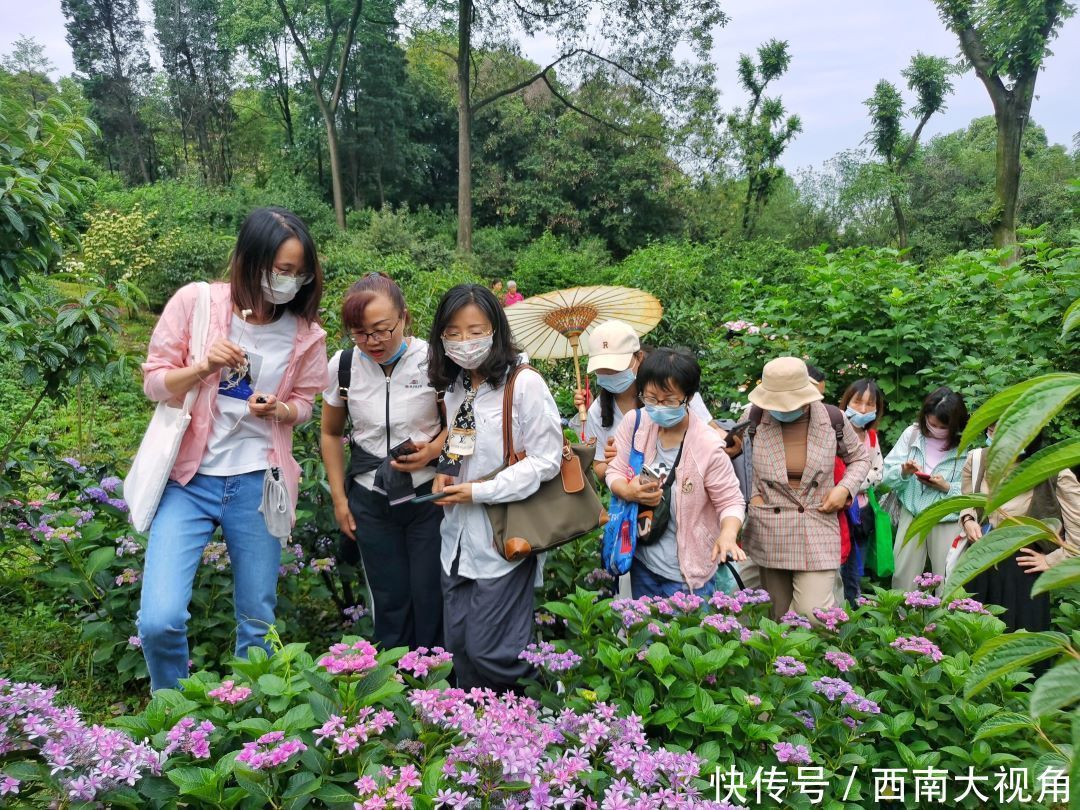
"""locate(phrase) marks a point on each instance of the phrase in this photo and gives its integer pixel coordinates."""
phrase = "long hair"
(261, 235)
(442, 371)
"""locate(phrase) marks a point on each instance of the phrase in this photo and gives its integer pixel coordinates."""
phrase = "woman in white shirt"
(487, 600)
(397, 434)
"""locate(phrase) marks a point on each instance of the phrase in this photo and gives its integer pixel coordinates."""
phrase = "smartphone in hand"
(923, 476)
(406, 448)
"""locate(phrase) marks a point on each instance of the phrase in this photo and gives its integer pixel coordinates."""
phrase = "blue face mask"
(666, 416)
(989, 439)
(390, 360)
(616, 383)
(786, 416)
(860, 420)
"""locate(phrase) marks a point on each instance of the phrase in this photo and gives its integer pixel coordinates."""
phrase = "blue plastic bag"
(620, 532)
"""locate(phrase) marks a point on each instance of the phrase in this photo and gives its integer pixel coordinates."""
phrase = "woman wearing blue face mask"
(704, 503)
(615, 355)
(863, 404)
(396, 435)
(792, 527)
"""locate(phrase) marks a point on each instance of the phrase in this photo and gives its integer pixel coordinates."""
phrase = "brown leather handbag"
(563, 509)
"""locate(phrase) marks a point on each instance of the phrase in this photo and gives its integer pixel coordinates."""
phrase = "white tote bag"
(960, 542)
(145, 481)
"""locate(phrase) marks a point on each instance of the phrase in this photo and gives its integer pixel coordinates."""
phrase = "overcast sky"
(840, 49)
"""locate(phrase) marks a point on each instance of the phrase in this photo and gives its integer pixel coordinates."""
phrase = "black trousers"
(400, 547)
(488, 623)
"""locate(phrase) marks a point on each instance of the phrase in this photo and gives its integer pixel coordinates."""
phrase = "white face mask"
(280, 289)
(469, 353)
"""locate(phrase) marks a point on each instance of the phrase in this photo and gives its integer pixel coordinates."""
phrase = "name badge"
(462, 442)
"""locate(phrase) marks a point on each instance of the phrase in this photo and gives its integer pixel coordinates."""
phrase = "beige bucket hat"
(785, 386)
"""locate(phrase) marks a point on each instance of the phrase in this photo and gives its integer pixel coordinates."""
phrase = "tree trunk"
(1010, 120)
(464, 234)
(335, 166)
(901, 221)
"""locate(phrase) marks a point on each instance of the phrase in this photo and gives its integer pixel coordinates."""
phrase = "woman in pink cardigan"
(694, 479)
(266, 360)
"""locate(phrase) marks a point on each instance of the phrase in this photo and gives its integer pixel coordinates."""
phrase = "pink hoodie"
(706, 489)
(304, 377)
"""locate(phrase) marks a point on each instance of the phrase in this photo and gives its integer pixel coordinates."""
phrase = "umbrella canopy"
(549, 326)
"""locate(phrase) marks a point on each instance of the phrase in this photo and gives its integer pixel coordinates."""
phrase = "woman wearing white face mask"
(615, 355)
(265, 363)
(923, 468)
(863, 404)
(487, 601)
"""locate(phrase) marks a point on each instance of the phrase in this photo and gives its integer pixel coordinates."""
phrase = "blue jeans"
(183, 525)
(646, 582)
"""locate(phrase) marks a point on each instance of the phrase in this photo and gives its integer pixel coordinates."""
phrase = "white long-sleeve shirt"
(537, 430)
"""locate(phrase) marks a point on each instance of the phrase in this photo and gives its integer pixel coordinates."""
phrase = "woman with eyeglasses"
(686, 467)
(487, 600)
(397, 433)
(265, 363)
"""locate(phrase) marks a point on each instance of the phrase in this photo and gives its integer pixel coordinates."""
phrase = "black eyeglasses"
(653, 402)
(378, 336)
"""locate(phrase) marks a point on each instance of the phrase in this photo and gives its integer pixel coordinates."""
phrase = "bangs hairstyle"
(947, 407)
(261, 236)
(663, 368)
(364, 292)
(442, 371)
(863, 386)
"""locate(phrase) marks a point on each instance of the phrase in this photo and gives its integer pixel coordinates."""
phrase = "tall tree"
(761, 132)
(256, 29)
(106, 39)
(324, 35)
(639, 42)
(197, 57)
(1006, 42)
(930, 77)
(30, 68)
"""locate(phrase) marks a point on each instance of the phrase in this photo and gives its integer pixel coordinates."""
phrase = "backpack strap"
(753, 420)
(344, 373)
(836, 418)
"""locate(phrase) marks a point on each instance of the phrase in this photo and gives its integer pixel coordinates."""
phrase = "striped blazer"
(787, 531)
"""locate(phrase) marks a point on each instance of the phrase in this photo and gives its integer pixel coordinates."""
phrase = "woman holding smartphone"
(487, 600)
(397, 433)
(923, 468)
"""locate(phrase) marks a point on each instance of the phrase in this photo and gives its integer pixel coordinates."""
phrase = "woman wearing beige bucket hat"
(792, 528)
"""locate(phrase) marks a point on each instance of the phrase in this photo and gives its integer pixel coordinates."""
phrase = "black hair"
(664, 367)
(947, 407)
(442, 371)
(261, 235)
(860, 387)
(816, 374)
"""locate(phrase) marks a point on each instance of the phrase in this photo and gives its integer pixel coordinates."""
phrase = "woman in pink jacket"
(694, 478)
(266, 360)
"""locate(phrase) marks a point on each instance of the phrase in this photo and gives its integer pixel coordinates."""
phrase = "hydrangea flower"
(921, 599)
(346, 737)
(230, 693)
(806, 718)
(355, 613)
(544, 656)
(189, 736)
(841, 660)
(920, 645)
(789, 667)
(793, 619)
(968, 605)
(792, 754)
(322, 565)
(832, 618)
(271, 750)
(350, 659)
(421, 661)
(928, 580)
(724, 623)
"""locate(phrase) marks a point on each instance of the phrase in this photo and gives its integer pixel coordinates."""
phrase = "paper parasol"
(550, 326)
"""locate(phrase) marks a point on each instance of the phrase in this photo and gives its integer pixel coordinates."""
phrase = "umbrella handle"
(574, 343)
